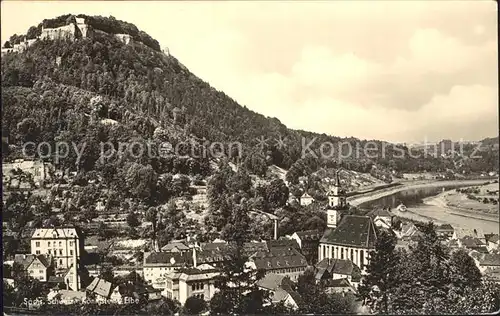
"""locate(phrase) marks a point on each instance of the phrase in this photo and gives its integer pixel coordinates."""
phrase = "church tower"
(336, 202)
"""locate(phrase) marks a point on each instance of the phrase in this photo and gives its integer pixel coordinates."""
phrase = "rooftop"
(271, 281)
(353, 230)
(100, 287)
(60, 232)
(380, 212)
(309, 235)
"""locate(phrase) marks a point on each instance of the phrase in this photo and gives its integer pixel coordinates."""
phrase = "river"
(423, 205)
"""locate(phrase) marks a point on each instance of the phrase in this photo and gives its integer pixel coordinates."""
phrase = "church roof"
(353, 231)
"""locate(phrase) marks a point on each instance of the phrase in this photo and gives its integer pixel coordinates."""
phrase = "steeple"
(336, 202)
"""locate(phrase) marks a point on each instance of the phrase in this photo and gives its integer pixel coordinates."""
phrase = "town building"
(158, 264)
(492, 242)
(175, 246)
(445, 230)
(280, 288)
(63, 244)
(349, 237)
(38, 267)
(382, 218)
(288, 262)
(38, 169)
(342, 286)
(460, 233)
(186, 282)
(306, 199)
(308, 242)
(333, 269)
(104, 291)
(283, 243)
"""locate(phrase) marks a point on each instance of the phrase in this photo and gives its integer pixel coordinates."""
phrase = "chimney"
(76, 284)
(195, 264)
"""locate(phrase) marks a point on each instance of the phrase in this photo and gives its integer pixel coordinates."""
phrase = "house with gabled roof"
(306, 199)
(445, 230)
(339, 286)
(280, 289)
(381, 217)
(492, 242)
(338, 269)
(37, 266)
(104, 291)
(175, 247)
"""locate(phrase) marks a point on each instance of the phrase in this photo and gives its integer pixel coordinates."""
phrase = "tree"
(194, 305)
(141, 181)
(277, 193)
(380, 280)
(463, 270)
(238, 291)
(315, 299)
(132, 220)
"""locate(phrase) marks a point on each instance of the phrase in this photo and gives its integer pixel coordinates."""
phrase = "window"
(37, 252)
(71, 243)
(37, 244)
(352, 254)
(50, 251)
(48, 244)
(193, 287)
(60, 261)
(60, 252)
(60, 244)
(40, 271)
(71, 252)
(31, 271)
(341, 253)
(324, 251)
(361, 258)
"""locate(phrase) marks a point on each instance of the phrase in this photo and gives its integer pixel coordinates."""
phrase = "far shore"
(369, 196)
(441, 201)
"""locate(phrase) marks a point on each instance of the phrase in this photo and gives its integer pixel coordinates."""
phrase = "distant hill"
(110, 82)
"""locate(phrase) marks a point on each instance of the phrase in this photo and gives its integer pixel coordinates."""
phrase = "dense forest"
(61, 90)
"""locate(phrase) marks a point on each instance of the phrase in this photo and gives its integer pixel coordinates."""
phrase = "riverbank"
(443, 201)
(373, 195)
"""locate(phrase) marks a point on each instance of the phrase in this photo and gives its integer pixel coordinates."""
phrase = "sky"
(401, 71)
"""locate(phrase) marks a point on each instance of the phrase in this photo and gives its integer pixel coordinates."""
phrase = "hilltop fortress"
(71, 31)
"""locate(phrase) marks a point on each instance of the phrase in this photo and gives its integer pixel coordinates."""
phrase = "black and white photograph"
(250, 157)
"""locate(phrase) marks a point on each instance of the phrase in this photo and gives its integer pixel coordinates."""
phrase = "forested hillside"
(60, 90)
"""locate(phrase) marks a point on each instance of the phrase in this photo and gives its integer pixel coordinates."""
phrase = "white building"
(306, 199)
(349, 237)
(64, 245)
(198, 282)
(158, 264)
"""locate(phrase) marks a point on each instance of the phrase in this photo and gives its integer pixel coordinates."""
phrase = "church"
(347, 237)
